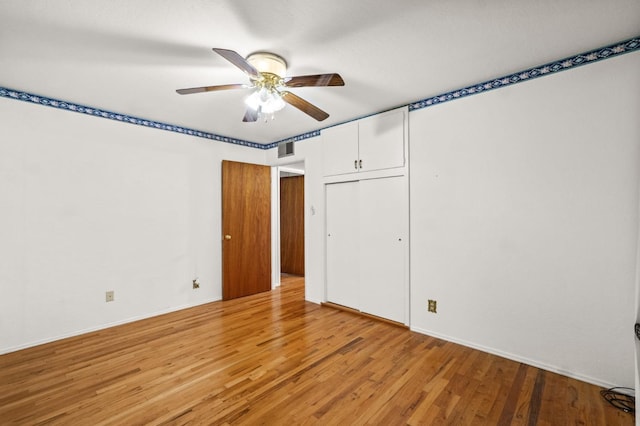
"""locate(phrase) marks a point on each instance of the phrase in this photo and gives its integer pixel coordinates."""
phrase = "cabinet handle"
(360, 163)
(355, 164)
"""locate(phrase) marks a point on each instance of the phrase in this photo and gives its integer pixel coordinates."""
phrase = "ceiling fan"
(266, 72)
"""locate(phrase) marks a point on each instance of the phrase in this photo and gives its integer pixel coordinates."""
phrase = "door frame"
(275, 215)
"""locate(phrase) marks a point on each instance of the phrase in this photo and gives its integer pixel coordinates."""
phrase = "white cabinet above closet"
(372, 143)
(340, 149)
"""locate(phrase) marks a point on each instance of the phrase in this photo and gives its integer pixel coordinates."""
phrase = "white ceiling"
(129, 56)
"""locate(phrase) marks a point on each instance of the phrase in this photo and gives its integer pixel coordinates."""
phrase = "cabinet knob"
(355, 164)
(227, 237)
(360, 163)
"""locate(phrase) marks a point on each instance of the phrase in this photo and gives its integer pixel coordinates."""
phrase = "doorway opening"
(291, 221)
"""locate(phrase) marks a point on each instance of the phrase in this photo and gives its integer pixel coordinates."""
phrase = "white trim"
(102, 327)
(275, 227)
(516, 358)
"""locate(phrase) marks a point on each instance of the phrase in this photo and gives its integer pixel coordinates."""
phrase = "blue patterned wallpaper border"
(571, 62)
(568, 63)
(96, 112)
(294, 139)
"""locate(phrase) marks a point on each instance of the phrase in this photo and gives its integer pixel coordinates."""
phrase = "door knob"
(227, 237)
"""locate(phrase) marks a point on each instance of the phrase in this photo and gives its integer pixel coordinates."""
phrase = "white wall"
(90, 205)
(524, 220)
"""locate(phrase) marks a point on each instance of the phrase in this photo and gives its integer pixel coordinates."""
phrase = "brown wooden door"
(246, 229)
(292, 225)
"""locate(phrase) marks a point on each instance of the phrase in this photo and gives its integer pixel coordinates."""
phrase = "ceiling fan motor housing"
(268, 63)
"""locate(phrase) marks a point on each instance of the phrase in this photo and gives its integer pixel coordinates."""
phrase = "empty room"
(240, 212)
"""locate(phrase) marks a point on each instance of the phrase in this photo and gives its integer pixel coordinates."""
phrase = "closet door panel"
(382, 247)
(342, 244)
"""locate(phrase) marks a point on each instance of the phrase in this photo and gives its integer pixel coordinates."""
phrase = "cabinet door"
(383, 224)
(381, 140)
(340, 149)
(342, 244)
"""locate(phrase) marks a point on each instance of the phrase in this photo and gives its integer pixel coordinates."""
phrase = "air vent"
(285, 149)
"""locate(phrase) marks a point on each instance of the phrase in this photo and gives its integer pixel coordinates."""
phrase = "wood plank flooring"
(275, 359)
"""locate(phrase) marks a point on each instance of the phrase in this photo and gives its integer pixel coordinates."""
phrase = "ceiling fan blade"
(304, 106)
(314, 80)
(211, 88)
(237, 60)
(250, 116)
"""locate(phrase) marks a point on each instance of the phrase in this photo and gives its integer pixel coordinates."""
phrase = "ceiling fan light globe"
(278, 103)
(265, 95)
(273, 104)
(253, 100)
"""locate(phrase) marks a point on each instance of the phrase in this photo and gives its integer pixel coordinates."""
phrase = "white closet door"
(383, 220)
(342, 244)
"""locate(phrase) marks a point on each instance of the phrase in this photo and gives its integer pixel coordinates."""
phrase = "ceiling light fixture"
(266, 98)
(267, 74)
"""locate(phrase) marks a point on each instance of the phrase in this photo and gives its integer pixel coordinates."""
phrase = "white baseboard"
(75, 333)
(524, 360)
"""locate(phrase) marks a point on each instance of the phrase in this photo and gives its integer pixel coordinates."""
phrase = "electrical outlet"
(109, 296)
(196, 284)
(432, 306)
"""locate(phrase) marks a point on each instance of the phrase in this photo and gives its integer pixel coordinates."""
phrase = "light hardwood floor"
(273, 358)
